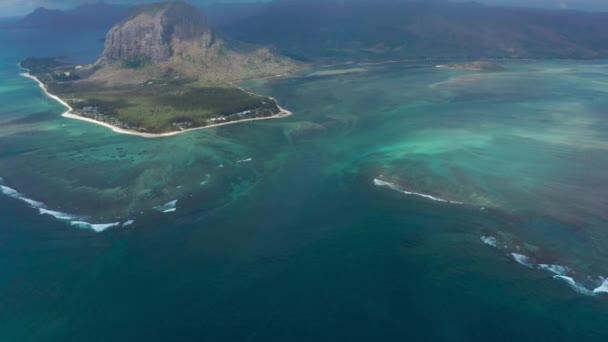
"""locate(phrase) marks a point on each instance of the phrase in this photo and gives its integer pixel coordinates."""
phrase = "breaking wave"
(490, 241)
(207, 178)
(58, 215)
(73, 220)
(128, 223)
(602, 288)
(10, 192)
(167, 207)
(574, 285)
(523, 260)
(96, 227)
(560, 272)
(555, 269)
(395, 187)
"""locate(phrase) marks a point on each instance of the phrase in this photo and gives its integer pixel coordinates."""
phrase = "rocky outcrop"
(158, 32)
(176, 38)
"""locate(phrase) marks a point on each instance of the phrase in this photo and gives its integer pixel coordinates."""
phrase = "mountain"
(159, 32)
(388, 29)
(88, 17)
(177, 38)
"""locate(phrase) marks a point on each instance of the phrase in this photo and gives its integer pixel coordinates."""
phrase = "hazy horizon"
(22, 7)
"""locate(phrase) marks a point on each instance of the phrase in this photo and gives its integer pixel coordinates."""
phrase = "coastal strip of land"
(69, 114)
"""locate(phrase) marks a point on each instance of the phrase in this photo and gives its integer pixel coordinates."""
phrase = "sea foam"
(58, 215)
(74, 220)
(575, 286)
(167, 207)
(523, 260)
(99, 227)
(395, 187)
(602, 288)
(207, 178)
(16, 195)
(555, 269)
(128, 223)
(490, 241)
(560, 273)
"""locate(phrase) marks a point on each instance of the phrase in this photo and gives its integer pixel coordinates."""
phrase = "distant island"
(164, 70)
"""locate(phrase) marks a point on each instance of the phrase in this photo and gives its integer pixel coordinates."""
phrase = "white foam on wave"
(602, 288)
(32, 203)
(560, 272)
(490, 241)
(78, 221)
(58, 214)
(247, 160)
(73, 220)
(98, 227)
(523, 260)
(10, 192)
(574, 285)
(207, 178)
(168, 207)
(395, 187)
(128, 223)
(555, 269)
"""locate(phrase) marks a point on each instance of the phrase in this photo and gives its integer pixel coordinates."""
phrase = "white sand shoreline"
(69, 114)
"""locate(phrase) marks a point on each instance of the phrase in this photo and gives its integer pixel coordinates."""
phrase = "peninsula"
(164, 70)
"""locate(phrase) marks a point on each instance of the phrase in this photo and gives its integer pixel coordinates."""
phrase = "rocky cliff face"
(158, 32)
(177, 37)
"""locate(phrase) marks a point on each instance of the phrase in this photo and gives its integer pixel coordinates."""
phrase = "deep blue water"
(300, 244)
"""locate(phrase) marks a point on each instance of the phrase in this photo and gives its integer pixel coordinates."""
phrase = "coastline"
(68, 114)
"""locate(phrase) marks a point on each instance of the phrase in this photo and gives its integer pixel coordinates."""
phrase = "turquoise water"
(402, 202)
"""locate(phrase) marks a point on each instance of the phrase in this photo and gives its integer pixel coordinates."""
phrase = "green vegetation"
(137, 61)
(180, 106)
(157, 106)
(42, 65)
(50, 69)
(223, 100)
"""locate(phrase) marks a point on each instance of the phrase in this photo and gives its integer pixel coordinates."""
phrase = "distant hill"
(99, 16)
(343, 30)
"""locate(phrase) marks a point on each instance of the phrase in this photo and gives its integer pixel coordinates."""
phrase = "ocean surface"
(401, 202)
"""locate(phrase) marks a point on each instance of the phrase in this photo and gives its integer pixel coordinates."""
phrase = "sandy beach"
(69, 114)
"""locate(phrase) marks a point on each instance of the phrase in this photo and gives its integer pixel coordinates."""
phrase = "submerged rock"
(306, 129)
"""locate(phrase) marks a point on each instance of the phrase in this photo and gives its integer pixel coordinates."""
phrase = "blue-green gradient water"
(403, 202)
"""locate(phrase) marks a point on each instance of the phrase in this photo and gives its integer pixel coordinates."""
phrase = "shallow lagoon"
(281, 233)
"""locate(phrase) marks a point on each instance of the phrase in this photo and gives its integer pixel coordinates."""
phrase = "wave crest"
(73, 220)
(168, 207)
(396, 187)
